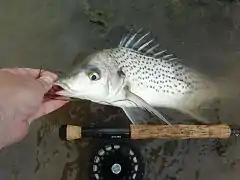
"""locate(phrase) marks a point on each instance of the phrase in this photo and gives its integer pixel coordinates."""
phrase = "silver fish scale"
(158, 74)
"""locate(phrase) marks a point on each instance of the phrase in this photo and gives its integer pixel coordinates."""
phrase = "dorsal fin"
(145, 44)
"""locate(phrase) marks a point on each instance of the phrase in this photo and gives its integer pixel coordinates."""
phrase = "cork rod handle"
(180, 131)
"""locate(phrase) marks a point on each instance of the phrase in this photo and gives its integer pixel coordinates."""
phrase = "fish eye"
(94, 76)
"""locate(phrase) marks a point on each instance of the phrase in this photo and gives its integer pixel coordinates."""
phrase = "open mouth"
(52, 94)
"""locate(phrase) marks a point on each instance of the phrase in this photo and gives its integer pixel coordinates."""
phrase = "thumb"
(46, 82)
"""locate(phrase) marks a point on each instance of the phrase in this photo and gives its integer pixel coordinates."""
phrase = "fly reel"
(116, 161)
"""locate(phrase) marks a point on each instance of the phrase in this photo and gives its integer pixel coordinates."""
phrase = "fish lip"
(63, 85)
(64, 93)
(66, 90)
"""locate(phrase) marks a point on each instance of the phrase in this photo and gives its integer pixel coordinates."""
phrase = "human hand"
(22, 101)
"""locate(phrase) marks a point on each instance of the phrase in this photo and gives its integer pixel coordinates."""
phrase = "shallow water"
(204, 34)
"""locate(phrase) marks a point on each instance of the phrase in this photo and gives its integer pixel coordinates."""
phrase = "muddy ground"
(204, 34)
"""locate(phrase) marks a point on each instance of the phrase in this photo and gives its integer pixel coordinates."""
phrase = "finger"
(46, 108)
(46, 82)
(30, 72)
(49, 74)
(23, 71)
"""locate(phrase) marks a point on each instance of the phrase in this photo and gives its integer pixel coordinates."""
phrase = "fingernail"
(47, 79)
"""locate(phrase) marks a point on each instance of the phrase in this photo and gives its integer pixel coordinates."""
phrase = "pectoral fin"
(144, 105)
(137, 115)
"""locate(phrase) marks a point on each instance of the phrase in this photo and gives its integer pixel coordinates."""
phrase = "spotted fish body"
(162, 80)
(153, 78)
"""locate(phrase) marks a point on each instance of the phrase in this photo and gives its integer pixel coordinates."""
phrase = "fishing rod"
(117, 160)
(220, 131)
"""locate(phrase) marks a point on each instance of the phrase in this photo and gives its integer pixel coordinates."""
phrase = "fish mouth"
(63, 90)
(52, 94)
(58, 92)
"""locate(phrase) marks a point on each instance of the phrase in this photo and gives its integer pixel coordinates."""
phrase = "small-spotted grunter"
(139, 77)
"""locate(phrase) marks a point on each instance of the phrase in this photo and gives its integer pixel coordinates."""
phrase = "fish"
(138, 76)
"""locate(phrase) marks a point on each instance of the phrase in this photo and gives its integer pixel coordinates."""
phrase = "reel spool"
(116, 161)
